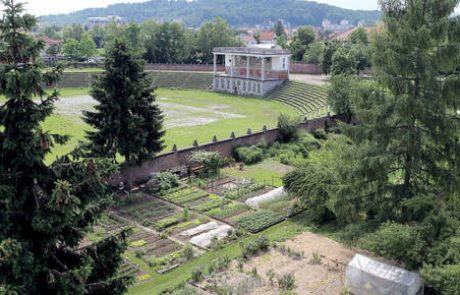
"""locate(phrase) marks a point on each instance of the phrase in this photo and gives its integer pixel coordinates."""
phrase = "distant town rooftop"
(251, 51)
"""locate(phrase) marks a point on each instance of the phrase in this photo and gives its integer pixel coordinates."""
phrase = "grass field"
(189, 115)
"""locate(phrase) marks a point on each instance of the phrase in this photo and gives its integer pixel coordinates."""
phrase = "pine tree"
(405, 155)
(126, 120)
(46, 210)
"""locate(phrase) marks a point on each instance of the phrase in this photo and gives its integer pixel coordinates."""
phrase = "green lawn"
(190, 115)
(268, 172)
(159, 283)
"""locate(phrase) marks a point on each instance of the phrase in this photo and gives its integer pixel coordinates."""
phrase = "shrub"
(445, 279)
(249, 154)
(188, 252)
(260, 244)
(197, 274)
(167, 181)
(212, 161)
(287, 126)
(401, 242)
(254, 272)
(286, 282)
(320, 134)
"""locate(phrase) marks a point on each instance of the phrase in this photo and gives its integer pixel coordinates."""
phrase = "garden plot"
(246, 192)
(271, 196)
(150, 244)
(203, 235)
(318, 269)
(257, 221)
(148, 211)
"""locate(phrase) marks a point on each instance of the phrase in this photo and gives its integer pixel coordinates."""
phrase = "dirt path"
(320, 80)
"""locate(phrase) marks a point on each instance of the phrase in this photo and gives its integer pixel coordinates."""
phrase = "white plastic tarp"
(204, 240)
(268, 197)
(366, 276)
(200, 229)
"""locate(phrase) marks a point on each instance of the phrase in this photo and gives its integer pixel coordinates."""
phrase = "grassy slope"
(257, 112)
(159, 283)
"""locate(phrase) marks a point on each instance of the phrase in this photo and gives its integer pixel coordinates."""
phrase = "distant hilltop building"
(343, 26)
(103, 21)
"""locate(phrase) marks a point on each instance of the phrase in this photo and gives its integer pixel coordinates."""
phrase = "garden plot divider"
(179, 158)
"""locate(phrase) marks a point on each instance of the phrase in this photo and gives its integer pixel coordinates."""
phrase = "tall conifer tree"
(126, 120)
(406, 149)
(45, 211)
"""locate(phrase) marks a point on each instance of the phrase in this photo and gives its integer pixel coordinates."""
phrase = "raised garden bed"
(259, 220)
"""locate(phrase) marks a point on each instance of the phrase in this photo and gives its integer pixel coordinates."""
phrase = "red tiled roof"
(48, 40)
(267, 36)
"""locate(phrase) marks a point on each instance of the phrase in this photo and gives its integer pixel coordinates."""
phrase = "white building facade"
(251, 71)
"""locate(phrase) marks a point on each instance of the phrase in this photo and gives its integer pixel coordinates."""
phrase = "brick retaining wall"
(175, 159)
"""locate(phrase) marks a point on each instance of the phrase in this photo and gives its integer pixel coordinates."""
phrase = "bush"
(188, 252)
(252, 248)
(401, 242)
(249, 154)
(197, 274)
(212, 161)
(445, 279)
(167, 181)
(287, 126)
(286, 282)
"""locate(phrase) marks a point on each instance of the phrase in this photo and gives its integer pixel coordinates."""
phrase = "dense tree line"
(392, 182)
(168, 42)
(238, 13)
(47, 210)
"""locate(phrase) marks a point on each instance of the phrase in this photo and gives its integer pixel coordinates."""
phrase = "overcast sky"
(41, 7)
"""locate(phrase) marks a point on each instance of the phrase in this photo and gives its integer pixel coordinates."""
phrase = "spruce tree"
(46, 210)
(126, 120)
(404, 163)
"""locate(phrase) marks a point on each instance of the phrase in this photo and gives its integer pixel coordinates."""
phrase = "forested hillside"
(236, 12)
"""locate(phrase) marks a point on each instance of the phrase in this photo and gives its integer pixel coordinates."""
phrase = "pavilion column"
(215, 64)
(263, 68)
(247, 67)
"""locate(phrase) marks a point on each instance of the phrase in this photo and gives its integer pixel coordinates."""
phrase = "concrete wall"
(175, 159)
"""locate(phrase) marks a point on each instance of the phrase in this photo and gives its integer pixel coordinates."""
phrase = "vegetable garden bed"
(259, 220)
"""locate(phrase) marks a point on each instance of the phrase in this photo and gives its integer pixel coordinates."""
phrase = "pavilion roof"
(251, 51)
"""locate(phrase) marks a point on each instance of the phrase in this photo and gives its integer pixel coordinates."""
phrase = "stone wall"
(175, 159)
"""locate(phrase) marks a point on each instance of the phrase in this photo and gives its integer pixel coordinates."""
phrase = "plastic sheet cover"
(366, 276)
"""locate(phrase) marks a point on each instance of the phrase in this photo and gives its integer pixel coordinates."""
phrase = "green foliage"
(359, 36)
(445, 278)
(286, 282)
(197, 275)
(167, 181)
(402, 242)
(212, 161)
(125, 121)
(188, 252)
(240, 13)
(249, 154)
(343, 61)
(301, 41)
(46, 210)
(252, 248)
(314, 53)
(287, 126)
(329, 50)
(258, 221)
(340, 93)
